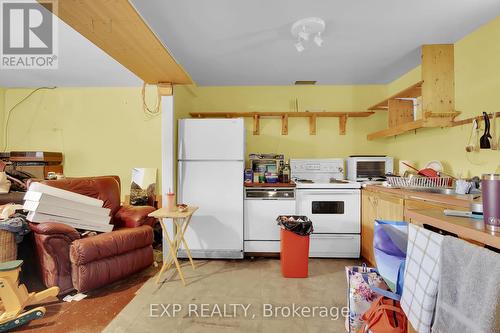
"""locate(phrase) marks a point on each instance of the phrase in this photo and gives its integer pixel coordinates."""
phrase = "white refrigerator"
(211, 162)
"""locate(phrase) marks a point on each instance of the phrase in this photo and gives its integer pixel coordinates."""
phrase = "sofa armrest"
(52, 244)
(55, 228)
(133, 216)
(110, 244)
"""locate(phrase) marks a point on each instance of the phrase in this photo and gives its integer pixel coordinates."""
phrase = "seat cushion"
(86, 250)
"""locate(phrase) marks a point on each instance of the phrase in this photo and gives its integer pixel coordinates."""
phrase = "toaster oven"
(362, 168)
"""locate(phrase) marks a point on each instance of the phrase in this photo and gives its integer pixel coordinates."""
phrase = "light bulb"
(299, 46)
(318, 40)
(303, 35)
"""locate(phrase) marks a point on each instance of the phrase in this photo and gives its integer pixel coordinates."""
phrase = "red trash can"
(294, 255)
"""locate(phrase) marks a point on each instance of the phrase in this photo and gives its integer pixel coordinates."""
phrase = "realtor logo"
(29, 34)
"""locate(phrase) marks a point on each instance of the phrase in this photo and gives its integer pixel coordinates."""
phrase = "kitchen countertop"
(445, 199)
(292, 184)
(466, 228)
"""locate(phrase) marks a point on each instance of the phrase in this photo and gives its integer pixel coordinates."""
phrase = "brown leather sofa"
(71, 262)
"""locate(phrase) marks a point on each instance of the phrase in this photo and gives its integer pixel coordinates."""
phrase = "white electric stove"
(332, 203)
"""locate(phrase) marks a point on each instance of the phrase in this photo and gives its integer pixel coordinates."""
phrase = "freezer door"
(216, 229)
(211, 139)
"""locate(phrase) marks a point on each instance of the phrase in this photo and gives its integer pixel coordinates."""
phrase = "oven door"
(331, 211)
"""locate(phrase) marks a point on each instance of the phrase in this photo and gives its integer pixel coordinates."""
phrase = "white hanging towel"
(421, 277)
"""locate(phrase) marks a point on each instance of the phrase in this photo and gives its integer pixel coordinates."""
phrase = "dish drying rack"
(420, 182)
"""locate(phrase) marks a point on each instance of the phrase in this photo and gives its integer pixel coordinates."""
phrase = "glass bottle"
(286, 173)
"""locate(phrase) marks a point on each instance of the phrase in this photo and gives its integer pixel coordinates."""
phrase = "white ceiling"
(236, 42)
(81, 64)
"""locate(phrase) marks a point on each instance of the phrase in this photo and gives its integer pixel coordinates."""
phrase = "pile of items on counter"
(49, 204)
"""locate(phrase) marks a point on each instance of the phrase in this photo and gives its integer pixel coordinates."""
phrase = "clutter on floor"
(13, 228)
(46, 203)
(76, 297)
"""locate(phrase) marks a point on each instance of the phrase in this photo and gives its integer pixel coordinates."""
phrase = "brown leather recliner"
(70, 262)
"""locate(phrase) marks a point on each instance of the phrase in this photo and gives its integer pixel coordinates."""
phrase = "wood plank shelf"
(393, 131)
(413, 91)
(284, 116)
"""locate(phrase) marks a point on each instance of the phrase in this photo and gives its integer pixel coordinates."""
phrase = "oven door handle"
(328, 192)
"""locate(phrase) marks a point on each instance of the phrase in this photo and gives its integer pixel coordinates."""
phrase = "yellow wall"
(2, 111)
(298, 143)
(477, 84)
(100, 130)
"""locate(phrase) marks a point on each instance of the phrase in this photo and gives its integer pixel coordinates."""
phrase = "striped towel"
(421, 277)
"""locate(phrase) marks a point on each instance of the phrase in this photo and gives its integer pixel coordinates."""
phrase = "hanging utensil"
(494, 141)
(484, 142)
(471, 146)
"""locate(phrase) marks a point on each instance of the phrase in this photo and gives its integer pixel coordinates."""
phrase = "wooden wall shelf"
(284, 118)
(413, 91)
(436, 91)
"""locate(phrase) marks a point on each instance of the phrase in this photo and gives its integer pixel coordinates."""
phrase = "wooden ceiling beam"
(117, 28)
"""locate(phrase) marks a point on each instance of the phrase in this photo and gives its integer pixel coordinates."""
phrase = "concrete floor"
(250, 283)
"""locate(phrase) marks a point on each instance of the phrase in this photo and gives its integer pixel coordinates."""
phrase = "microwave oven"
(362, 168)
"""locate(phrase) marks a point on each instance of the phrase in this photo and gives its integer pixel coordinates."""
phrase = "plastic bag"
(298, 224)
(361, 281)
(389, 242)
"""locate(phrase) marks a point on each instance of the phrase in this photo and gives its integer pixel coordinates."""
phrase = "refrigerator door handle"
(180, 177)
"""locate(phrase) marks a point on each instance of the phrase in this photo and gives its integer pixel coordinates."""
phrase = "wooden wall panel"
(438, 74)
(116, 28)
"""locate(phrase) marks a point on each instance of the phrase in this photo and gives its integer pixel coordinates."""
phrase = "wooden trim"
(116, 28)
(279, 114)
(312, 125)
(284, 124)
(342, 124)
(165, 89)
(413, 91)
(256, 124)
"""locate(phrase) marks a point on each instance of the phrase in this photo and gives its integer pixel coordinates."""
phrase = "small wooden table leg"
(188, 251)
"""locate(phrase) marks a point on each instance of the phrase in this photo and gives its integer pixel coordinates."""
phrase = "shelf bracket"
(284, 124)
(342, 124)
(312, 124)
(256, 124)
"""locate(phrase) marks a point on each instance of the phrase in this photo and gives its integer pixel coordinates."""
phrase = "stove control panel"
(314, 168)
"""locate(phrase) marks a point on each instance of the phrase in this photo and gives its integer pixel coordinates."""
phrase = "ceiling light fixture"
(303, 29)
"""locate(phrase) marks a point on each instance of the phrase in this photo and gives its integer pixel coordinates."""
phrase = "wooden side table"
(181, 221)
